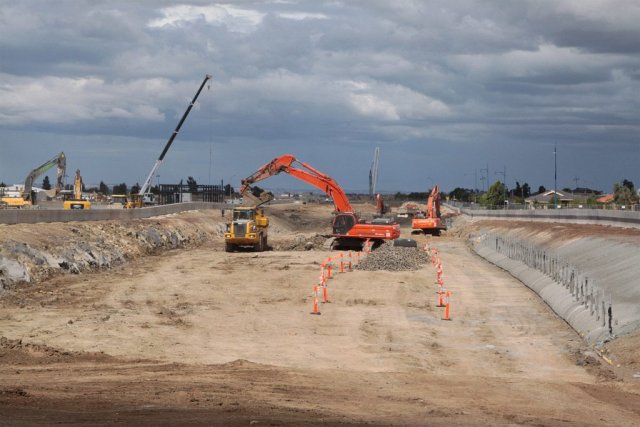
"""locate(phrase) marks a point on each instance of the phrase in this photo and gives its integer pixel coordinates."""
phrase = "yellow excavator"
(77, 202)
(24, 199)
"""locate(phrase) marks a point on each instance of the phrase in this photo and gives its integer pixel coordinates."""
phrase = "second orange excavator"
(348, 229)
(430, 221)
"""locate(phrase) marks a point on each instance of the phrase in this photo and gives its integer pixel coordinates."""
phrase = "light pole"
(555, 175)
(504, 185)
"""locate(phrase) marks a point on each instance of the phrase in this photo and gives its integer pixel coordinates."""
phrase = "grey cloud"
(429, 82)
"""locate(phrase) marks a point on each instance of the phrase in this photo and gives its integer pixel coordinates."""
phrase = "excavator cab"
(343, 222)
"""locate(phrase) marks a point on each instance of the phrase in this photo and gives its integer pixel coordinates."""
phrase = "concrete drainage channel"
(592, 283)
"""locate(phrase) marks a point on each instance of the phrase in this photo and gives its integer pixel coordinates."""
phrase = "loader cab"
(243, 214)
(343, 222)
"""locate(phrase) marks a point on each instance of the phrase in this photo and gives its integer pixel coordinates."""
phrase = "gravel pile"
(301, 242)
(390, 258)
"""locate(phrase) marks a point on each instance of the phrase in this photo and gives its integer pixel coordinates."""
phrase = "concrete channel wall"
(31, 216)
(578, 216)
(592, 282)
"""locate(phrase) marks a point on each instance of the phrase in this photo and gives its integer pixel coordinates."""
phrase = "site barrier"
(620, 218)
(32, 216)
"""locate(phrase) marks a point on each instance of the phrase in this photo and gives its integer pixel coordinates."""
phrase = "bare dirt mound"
(30, 253)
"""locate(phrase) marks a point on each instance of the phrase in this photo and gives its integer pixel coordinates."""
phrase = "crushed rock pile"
(394, 258)
(301, 242)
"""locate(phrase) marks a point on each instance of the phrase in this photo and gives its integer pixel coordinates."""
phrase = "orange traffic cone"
(315, 301)
(440, 299)
(446, 308)
(341, 263)
(349, 260)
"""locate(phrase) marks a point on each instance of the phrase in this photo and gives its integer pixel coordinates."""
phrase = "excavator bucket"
(249, 199)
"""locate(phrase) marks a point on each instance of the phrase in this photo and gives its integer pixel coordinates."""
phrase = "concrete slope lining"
(592, 283)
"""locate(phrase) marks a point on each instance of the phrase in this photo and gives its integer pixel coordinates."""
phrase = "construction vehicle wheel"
(229, 247)
(266, 246)
(405, 243)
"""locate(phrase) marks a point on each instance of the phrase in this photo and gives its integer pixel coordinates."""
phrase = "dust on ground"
(201, 336)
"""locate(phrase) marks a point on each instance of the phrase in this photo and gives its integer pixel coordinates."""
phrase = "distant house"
(544, 199)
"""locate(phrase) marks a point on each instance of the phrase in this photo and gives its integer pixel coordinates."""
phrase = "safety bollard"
(446, 307)
(350, 267)
(329, 271)
(341, 262)
(315, 301)
(440, 298)
(325, 294)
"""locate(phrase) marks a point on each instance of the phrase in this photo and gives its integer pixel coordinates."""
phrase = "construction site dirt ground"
(201, 336)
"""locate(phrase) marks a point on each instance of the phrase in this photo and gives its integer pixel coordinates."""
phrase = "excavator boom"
(60, 161)
(147, 182)
(307, 174)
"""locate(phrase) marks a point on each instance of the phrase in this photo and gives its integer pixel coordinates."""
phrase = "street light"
(555, 175)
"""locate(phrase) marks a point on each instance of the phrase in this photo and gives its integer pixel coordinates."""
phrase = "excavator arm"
(304, 173)
(60, 161)
(433, 203)
(432, 223)
(77, 186)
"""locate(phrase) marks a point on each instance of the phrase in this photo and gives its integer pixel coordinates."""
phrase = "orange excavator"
(431, 222)
(348, 229)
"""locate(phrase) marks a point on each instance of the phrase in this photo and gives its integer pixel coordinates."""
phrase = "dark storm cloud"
(444, 87)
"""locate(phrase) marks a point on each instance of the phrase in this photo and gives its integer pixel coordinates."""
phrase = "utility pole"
(504, 184)
(555, 175)
(487, 176)
(475, 188)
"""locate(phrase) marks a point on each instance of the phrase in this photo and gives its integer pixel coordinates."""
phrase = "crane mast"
(147, 183)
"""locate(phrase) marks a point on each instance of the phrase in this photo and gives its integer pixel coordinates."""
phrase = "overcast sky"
(446, 89)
